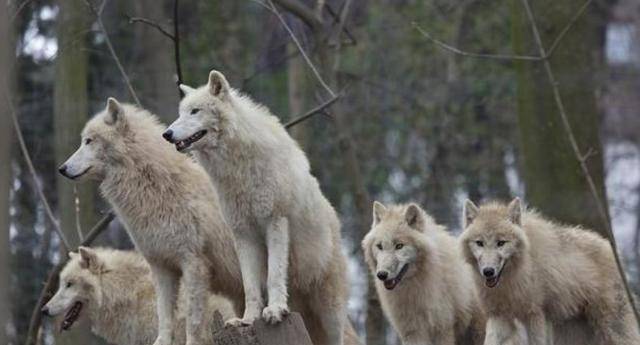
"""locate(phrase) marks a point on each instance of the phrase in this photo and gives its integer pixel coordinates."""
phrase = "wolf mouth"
(182, 145)
(493, 281)
(390, 284)
(73, 177)
(71, 316)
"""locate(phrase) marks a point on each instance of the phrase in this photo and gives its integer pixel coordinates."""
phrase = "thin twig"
(313, 68)
(311, 112)
(19, 9)
(176, 46)
(153, 24)
(77, 209)
(336, 20)
(52, 280)
(98, 14)
(546, 56)
(579, 156)
(34, 174)
(341, 23)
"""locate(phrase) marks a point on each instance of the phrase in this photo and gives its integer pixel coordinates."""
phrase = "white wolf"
(284, 227)
(538, 272)
(169, 208)
(425, 286)
(115, 290)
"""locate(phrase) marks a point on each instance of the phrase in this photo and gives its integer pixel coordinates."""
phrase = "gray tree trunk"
(6, 59)
(70, 114)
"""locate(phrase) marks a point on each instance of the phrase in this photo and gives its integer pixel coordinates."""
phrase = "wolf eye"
(379, 245)
(195, 111)
(501, 243)
(87, 141)
(69, 284)
(480, 243)
(399, 246)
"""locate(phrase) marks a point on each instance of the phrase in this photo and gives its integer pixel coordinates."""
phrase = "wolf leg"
(502, 331)
(166, 285)
(536, 325)
(251, 256)
(278, 270)
(195, 278)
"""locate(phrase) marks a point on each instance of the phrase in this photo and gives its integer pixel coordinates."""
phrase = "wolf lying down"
(115, 290)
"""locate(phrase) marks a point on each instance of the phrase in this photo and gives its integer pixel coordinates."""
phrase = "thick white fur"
(116, 289)
(552, 274)
(169, 208)
(436, 301)
(287, 233)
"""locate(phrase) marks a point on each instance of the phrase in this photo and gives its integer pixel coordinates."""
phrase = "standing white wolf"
(285, 228)
(169, 208)
(538, 272)
(425, 286)
(115, 290)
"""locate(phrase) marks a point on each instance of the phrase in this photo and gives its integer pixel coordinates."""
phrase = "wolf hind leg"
(278, 270)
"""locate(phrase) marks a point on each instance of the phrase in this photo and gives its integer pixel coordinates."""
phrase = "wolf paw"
(274, 313)
(161, 341)
(239, 322)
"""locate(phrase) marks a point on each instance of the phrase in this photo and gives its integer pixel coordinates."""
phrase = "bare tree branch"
(77, 212)
(32, 170)
(98, 15)
(336, 20)
(546, 56)
(302, 11)
(176, 46)
(152, 24)
(311, 112)
(576, 150)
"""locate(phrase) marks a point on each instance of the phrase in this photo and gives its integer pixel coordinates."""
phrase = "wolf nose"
(382, 275)
(168, 135)
(45, 311)
(63, 169)
(488, 272)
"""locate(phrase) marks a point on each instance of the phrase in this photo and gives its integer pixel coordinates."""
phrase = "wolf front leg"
(195, 283)
(166, 285)
(502, 331)
(536, 325)
(277, 270)
(251, 256)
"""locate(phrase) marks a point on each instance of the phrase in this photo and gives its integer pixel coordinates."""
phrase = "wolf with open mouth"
(423, 283)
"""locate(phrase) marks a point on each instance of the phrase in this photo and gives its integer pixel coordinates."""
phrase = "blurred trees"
(555, 183)
(70, 113)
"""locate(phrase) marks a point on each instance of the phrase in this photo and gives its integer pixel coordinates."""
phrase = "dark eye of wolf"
(88, 141)
(195, 111)
(399, 246)
(501, 243)
(480, 243)
(379, 245)
(69, 284)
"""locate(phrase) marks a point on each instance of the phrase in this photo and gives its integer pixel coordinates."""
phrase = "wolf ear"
(186, 89)
(515, 211)
(114, 112)
(89, 259)
(379, 210)
(470, 212)
(73, 255)
(218, 84)
(413, 216)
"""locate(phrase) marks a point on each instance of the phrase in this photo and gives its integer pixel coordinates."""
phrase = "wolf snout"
(168, 136)
(45, 311)
(63, 170)
(382, 275)
(488, 272)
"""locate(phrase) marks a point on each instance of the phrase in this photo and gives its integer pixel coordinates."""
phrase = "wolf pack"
(225, 216)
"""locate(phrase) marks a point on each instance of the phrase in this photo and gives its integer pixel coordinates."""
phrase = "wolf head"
(110, 140)
(493, 239)
(203, 114)
(79, 286)
(396, 242)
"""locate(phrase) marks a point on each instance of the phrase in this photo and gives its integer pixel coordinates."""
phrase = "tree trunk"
(70, 115)
(154, 74)
(6, 59)
(554, 181)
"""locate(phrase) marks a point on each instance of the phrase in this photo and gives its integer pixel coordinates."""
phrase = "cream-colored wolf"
(532, 270)
(114, 289)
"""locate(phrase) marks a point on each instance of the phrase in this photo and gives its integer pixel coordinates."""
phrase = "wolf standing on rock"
(425, 286)
(286, 231)
(169, 208)
(534, 271)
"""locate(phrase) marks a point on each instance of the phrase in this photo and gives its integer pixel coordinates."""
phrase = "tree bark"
(6, 59)
(554, 181)
(70, 114)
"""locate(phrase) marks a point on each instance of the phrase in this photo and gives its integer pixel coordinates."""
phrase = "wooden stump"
(291, 331)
